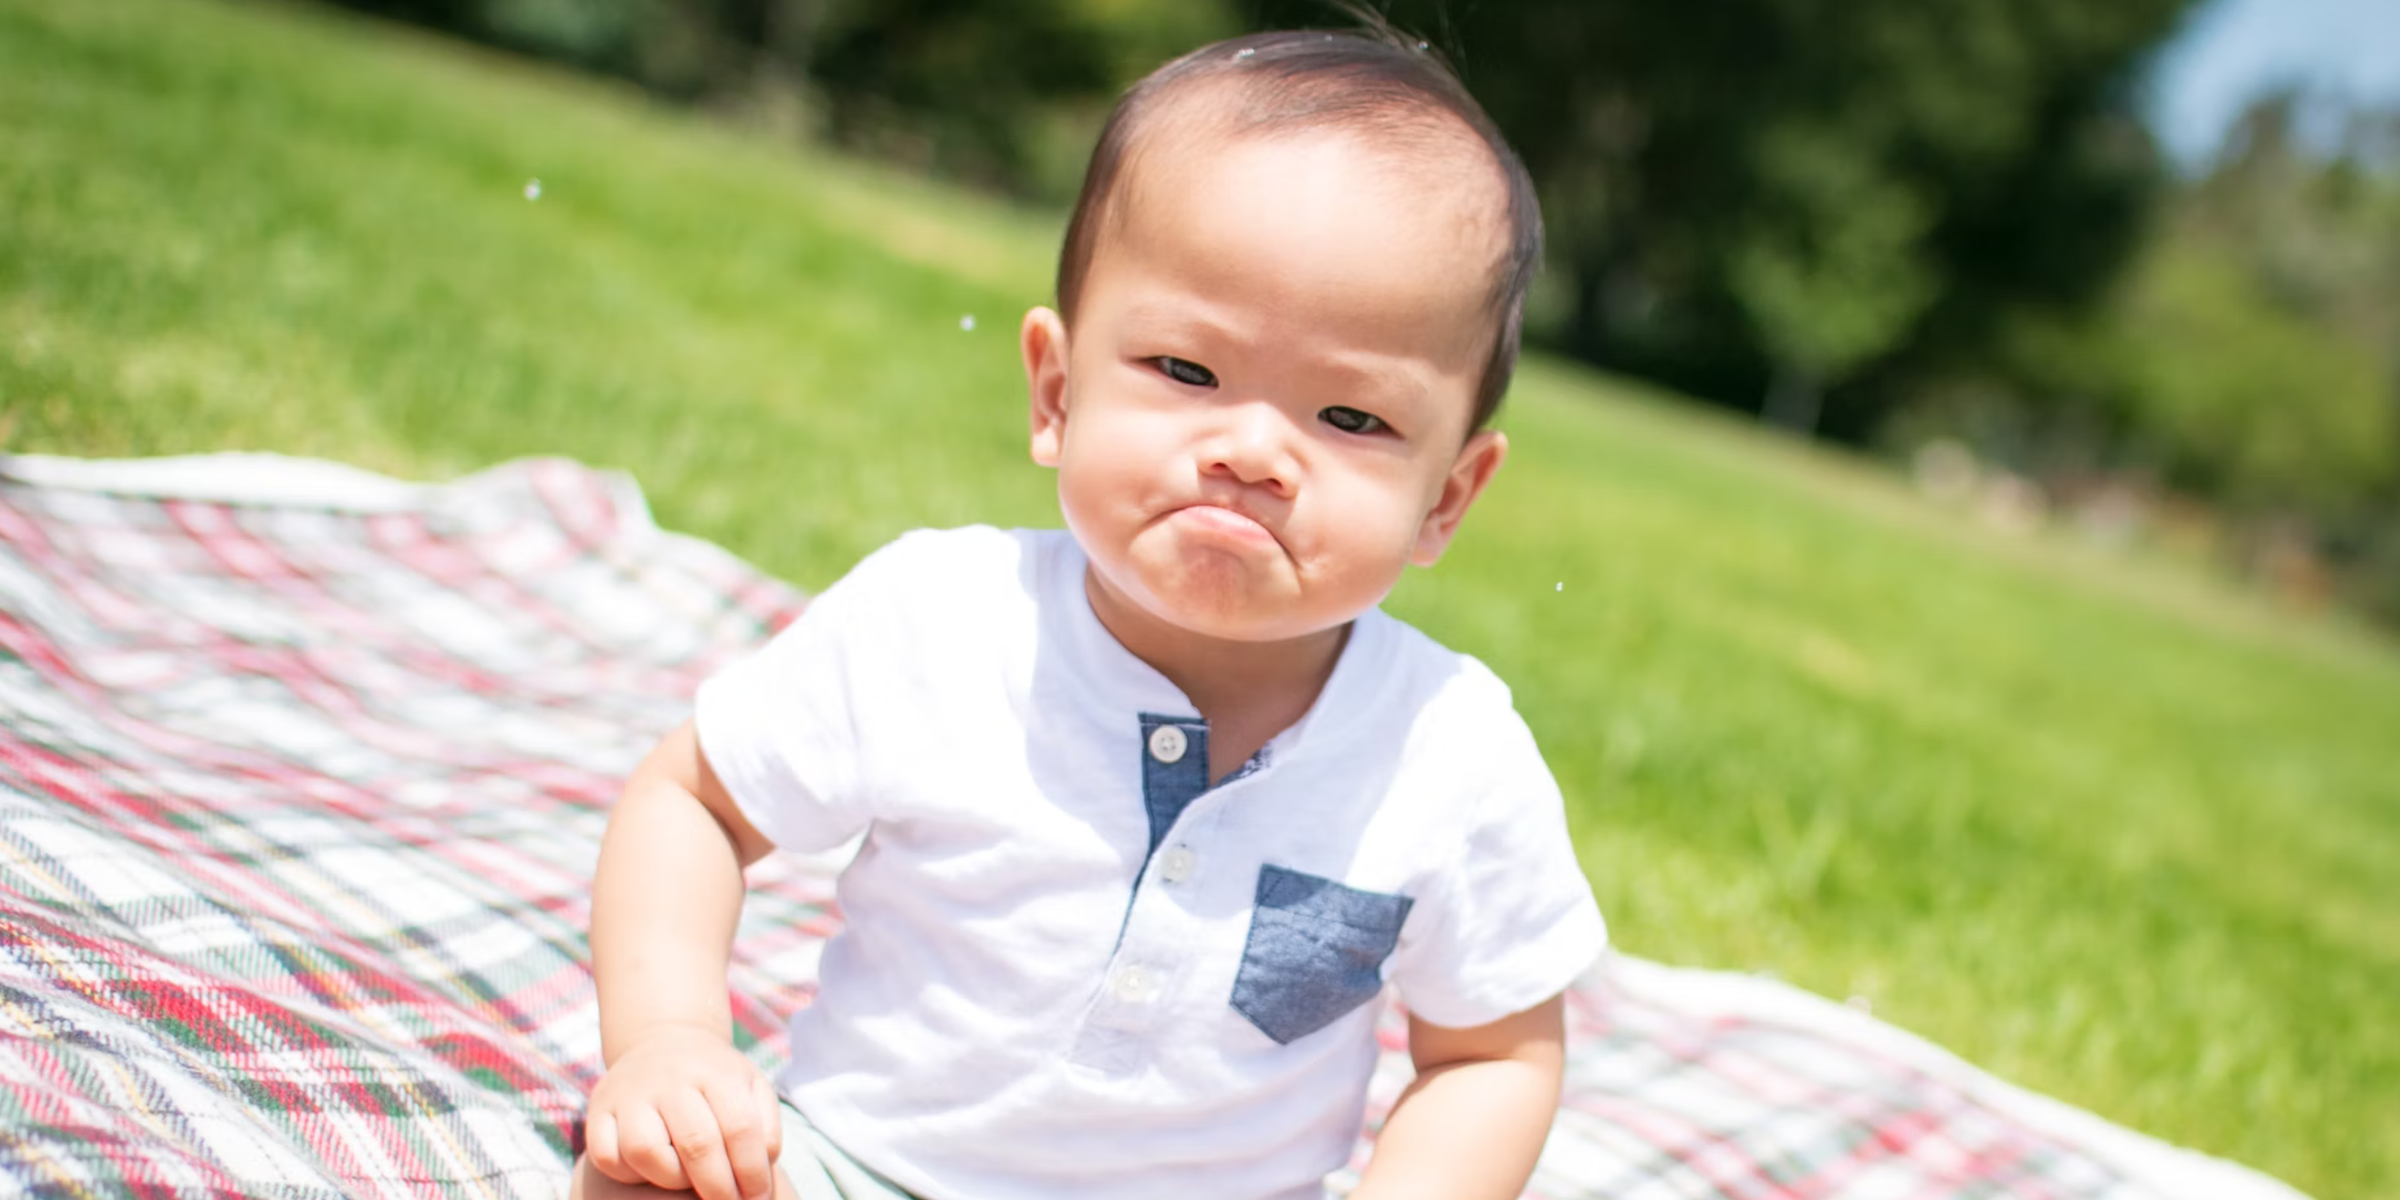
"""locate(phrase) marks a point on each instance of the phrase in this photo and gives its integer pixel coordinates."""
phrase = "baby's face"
(1260, 417)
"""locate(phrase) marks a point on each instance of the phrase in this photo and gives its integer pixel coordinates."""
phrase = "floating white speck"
(966, 324)
(533, 189)
(1562, 586)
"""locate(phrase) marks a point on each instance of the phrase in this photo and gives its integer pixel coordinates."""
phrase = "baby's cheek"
(1379, 515)
(1095, 479)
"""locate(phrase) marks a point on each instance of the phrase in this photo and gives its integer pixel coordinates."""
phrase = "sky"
(2231, 50)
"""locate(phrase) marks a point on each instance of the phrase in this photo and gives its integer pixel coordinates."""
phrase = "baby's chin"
(1224, 598)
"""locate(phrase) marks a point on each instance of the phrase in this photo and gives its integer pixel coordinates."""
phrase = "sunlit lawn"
(2113, 832)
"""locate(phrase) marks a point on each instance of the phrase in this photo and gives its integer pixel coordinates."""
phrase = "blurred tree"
(2258, 348)
(2245, 397)
(1004, 95)
(970, 87)
(1829, 273)
(2250, 357)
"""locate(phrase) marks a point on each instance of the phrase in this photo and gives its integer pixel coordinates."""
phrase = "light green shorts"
(819, 1170)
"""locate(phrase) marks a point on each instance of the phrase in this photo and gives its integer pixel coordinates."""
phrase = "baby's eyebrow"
(1177, 319)
(1390, 390)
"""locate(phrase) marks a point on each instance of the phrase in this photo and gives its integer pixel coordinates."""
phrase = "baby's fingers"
(643, 1147)
(600, 1146)
(699, 1141)
(745, 1126)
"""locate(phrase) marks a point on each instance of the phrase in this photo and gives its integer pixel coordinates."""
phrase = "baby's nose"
(1255, 447)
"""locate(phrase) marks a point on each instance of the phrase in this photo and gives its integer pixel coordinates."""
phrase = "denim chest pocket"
(1315, 952)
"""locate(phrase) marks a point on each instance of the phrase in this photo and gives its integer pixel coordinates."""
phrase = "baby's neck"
(1248, 692)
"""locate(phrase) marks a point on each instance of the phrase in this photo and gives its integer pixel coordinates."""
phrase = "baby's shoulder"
(1447, 711)
(1432, 684)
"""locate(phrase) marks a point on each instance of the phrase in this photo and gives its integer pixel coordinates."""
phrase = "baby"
(1154, 807)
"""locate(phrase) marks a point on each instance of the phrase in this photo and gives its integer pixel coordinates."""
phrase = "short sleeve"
(1510, 921)
(779, 726)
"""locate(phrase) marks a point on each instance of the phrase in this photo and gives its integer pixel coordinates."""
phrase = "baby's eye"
(1186, 371)
(1350, 420)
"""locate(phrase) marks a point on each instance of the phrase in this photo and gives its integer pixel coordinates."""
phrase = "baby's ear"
(1043, 339)
(1470, 473)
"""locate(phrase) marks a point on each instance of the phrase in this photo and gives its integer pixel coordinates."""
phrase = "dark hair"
(1375, 80)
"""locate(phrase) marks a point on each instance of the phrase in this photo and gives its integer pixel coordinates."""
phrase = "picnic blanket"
(303, 773)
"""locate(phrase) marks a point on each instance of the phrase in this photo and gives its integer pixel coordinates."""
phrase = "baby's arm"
(1473, 1123)
(679, 1107)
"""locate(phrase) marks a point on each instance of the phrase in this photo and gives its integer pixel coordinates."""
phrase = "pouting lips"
(1224, 522)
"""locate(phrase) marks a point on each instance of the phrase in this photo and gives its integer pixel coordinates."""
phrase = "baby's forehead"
(1407, 139)
(1392, 152)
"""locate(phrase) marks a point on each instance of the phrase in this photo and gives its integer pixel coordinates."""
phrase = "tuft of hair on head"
(1375, 80)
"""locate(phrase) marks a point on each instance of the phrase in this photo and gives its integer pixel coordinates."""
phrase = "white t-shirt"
(1072, 969)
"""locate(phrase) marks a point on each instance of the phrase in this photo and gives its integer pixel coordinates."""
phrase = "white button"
(1167, 744)
(1132, 985)
(1176, 864)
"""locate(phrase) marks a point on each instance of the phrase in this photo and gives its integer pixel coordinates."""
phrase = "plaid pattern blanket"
(302, 776)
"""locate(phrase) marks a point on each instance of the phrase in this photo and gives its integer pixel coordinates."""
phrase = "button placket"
(1139, 987)
(1174, 771)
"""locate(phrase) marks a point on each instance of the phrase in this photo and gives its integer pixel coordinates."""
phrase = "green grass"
(2109, 830)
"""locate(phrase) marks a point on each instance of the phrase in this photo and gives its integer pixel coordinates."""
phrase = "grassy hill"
(2107, 829)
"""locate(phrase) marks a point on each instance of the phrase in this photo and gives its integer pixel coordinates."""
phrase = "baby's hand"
(683, 1109)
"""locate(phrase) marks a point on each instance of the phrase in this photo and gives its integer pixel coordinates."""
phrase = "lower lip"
(1225, 522)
